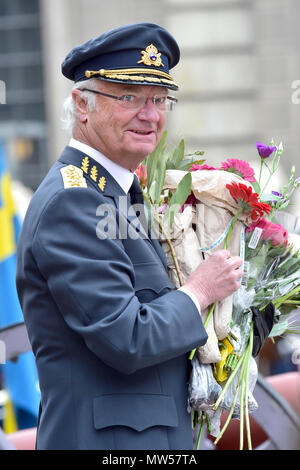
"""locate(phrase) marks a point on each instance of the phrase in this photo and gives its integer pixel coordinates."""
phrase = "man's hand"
(216, 278)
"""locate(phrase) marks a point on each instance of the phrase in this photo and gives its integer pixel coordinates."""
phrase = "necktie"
(136, 197)
(136, 192)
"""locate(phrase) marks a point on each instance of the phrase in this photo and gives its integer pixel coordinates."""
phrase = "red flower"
(247, 200)
(142, 175)
(191, 201)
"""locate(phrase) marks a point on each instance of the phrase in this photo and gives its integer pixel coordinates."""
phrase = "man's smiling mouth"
(141, 132)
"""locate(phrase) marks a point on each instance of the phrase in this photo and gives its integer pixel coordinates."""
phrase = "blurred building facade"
(23, 128)
(240, 62)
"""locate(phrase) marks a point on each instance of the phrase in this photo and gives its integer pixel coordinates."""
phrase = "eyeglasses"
(161, 102)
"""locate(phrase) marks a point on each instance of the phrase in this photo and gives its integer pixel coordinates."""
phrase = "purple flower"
(264, 150)
(279, 195)
(162, 209)
(297, 180)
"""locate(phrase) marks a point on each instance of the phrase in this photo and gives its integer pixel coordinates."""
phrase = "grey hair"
(69, 109)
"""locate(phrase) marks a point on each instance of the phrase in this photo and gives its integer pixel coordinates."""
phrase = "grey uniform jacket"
(109, 331)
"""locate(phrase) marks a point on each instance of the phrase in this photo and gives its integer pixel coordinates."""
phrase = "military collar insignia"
(151, 56)
(74, 176)
(93, 173)
(100, 179)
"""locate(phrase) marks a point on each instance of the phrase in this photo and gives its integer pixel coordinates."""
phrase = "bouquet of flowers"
(194, 209)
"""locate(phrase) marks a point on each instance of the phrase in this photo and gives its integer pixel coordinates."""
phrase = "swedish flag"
(20, 378)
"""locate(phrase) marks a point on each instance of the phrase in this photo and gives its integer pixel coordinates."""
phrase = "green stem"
(231, 228)
(200, 432)
(192, 354)
(208, 423)
(260, 171)
(168, 240)
(247, 389)
(278, 302)
(230, 379)
(228, 417)
(234, 399)
(268, 180)
(244, 392)
(242, 388)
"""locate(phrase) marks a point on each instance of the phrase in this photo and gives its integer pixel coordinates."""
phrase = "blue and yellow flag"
(20, 378)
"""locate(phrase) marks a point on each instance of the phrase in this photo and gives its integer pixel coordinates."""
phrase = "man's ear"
(81, 105)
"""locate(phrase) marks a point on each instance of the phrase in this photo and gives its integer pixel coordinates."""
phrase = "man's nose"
(149, 111)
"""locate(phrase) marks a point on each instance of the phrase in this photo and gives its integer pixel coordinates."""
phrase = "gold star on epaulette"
(73, 177)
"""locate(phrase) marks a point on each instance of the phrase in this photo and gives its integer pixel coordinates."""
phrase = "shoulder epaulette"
(73, 177)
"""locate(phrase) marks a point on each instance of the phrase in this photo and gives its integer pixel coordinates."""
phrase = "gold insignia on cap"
(85, 164)
(73, 177)
(151, 56)
(102, 183)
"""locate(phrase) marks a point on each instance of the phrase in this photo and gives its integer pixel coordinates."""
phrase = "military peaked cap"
(141, 54)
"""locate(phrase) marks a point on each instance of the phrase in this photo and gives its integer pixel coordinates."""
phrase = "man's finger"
(225, 253)
(235, 262)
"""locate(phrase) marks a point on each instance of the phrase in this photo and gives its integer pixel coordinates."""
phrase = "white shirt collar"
(123, 176)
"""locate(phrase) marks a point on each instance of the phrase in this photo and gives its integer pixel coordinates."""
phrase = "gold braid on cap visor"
(128, 74)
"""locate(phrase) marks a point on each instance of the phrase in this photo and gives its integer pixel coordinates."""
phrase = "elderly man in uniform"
(110, 333)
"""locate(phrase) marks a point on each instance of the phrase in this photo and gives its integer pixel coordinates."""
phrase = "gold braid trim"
(107, 72)
(141, 78)
(126, 74)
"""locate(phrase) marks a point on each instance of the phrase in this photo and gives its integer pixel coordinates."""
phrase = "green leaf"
(256, 187)
(152, 160)
(178, 154)
(269, 197)
(284, 205)
(160, 177)
(187, 163)
(170, 161)
(151, 190)
(279, 328)
(198, 152)
(178, 199)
